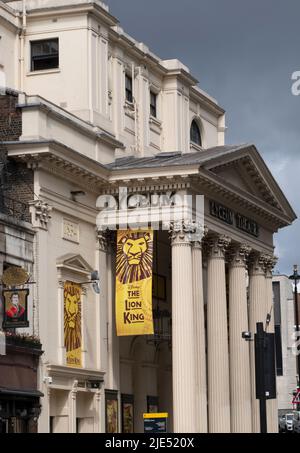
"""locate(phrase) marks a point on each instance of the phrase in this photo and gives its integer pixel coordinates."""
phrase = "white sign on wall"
(70, 231)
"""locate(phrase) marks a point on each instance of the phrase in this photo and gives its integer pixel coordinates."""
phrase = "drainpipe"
(22, 46)
(136, 108)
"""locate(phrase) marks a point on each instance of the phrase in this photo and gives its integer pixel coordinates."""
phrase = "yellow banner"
(72, 324)
(134, 283)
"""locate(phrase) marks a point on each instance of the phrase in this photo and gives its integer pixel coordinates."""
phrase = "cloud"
(244, 53)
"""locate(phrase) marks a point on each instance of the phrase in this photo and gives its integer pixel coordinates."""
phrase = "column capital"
(257, 263)
(270, 263)
(239, 254)
(105, 240)
(74, 390)
(200, 236)
(218, 245)
(102, 240)
(40, 214)
(98, 395)
(185, 232)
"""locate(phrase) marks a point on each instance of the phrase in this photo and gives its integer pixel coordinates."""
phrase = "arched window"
(195, 134)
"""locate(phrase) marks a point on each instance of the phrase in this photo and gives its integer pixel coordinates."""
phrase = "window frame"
(44, 57)
(153, 107)
(129, 90)
(192, 136)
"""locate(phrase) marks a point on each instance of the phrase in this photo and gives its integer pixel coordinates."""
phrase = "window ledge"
(155, 121)
(129, 105)
(194, 146)
(44, 71)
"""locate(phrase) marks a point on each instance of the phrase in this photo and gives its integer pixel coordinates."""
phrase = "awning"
(20, 393)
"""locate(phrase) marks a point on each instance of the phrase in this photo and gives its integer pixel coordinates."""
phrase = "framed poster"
(159, 287)
(127, 414)
(111, 411)
(152, 404)
(15, 308)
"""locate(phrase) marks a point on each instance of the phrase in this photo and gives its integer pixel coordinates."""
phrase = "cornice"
(212, 106)
(148, 185)
(88, 8)
(7, 21)
(132, 48)
(184, 171)
(60, 160)
(64, 371)
(241, 198)
(262, 173)
(73, 121)
(183, 75)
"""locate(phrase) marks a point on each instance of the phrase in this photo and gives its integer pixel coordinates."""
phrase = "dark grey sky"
(243, 52)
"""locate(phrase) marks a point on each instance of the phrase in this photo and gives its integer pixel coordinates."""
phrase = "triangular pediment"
(235, 174)
(246, 171)
(75, 263)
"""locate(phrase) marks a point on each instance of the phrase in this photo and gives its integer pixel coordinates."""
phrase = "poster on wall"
(152, 404)
(134, 283)
(111, 411)
(72, 324)
(15, 308)
(127, 414)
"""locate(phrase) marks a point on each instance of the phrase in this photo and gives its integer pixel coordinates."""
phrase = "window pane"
(128, 83)
(195, 134)
(128, 88)
(44, 54)
(153, 104)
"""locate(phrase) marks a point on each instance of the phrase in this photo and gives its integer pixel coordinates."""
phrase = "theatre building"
(103, 116)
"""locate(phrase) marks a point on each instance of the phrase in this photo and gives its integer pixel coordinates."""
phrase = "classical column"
(72, 407)
(217, 332)
(272, 405)
(40, 218)
(99, 411)
(240, 382)
(257, 313)
(101, 299)
(200, 350)
(183, 339)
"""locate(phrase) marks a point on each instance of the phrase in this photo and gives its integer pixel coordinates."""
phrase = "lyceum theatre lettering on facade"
(228, 216)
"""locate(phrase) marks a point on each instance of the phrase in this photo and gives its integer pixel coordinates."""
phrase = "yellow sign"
(134, 283)
(157, 415)
(72, 324)
(15, 276)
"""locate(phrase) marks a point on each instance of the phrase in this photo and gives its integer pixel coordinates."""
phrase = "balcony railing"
(14, 208)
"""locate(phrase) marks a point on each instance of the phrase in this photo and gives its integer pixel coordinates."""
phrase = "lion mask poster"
(72, 324)
(134, 283)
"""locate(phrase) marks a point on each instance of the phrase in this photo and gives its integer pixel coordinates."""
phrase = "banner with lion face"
(72, 324)
(134, 283)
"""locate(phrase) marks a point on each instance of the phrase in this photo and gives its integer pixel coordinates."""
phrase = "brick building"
(19, 396)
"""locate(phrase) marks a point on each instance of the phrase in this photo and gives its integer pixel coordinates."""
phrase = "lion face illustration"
(72, 317)
(134, 257)
(72, 310)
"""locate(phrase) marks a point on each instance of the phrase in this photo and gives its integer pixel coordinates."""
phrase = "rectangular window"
(44, 54)
(128, 88)
(153, 104)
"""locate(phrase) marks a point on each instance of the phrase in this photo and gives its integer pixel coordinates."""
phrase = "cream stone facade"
(84, 136)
